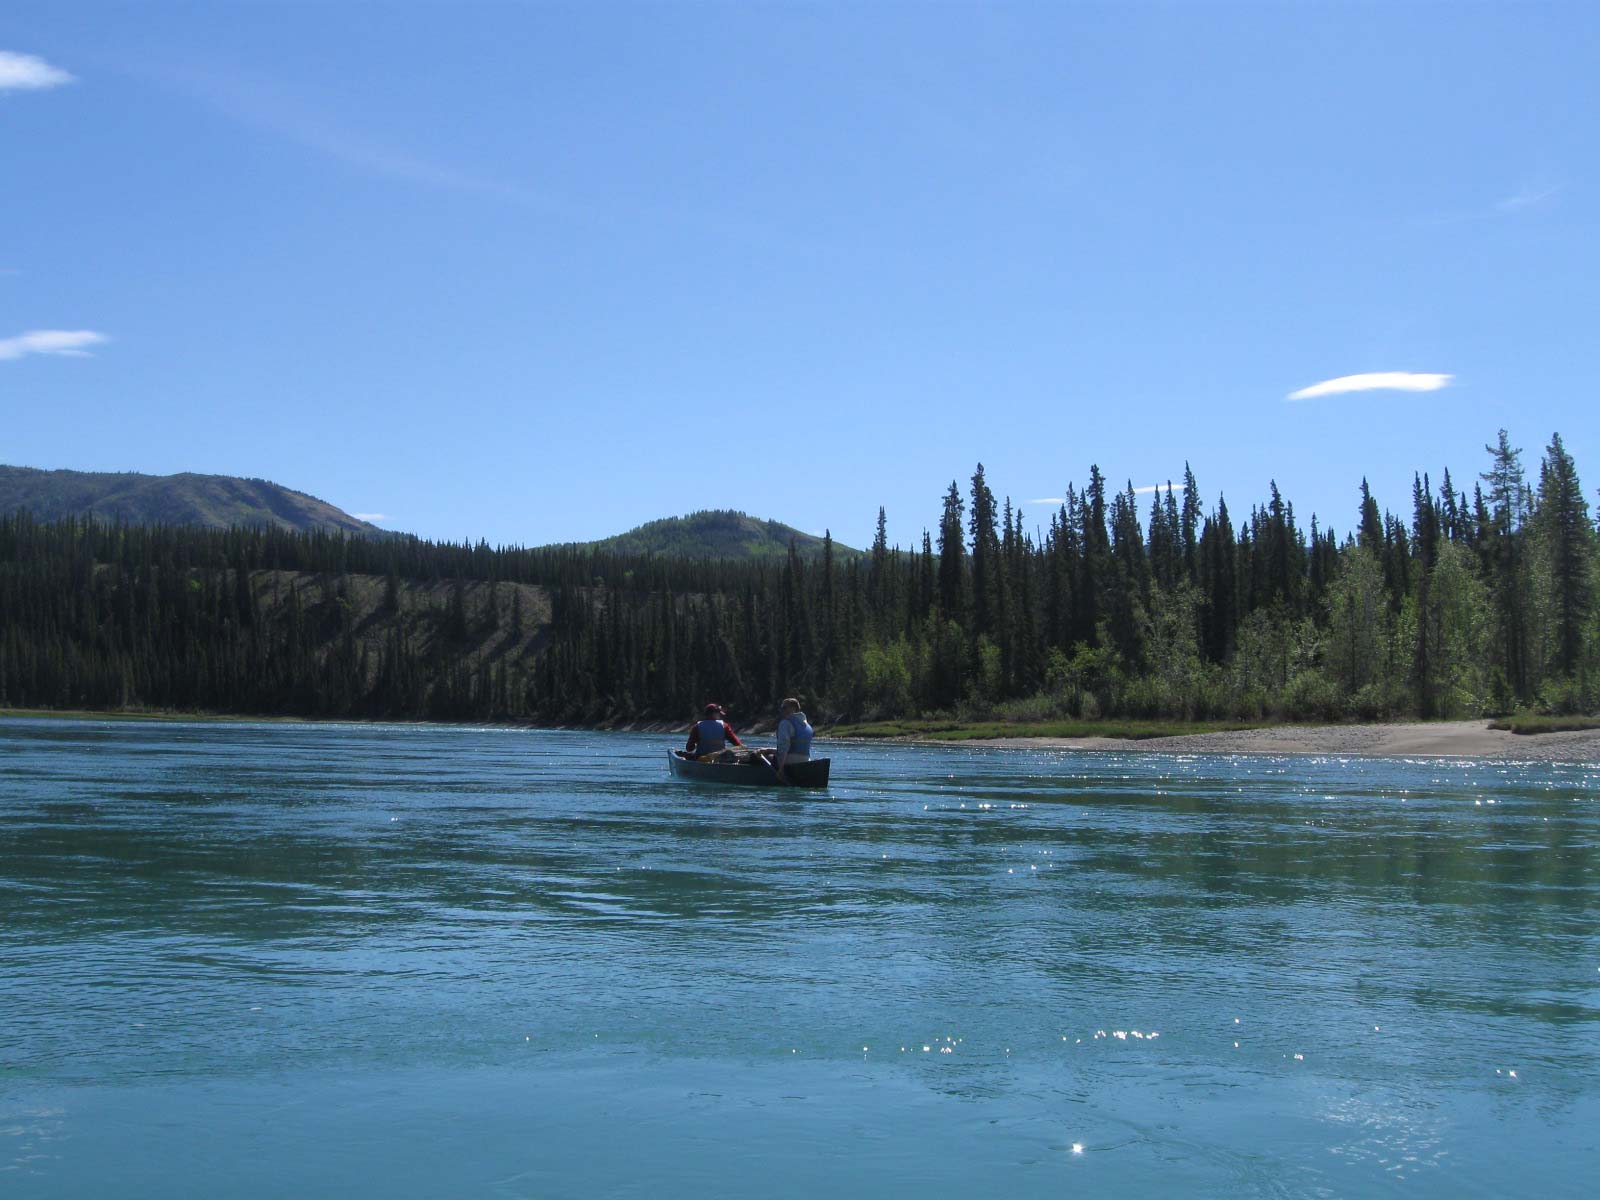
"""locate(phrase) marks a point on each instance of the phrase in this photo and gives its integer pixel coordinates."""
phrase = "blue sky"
(539, 272)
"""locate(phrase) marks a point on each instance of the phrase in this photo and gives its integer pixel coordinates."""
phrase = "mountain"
(716, 533)
(216, 501)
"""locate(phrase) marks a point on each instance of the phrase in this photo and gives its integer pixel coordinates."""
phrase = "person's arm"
(731, 735)
(783, 745)
(694, 737)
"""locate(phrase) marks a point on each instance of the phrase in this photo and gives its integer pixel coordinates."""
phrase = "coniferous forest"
(1474, 599)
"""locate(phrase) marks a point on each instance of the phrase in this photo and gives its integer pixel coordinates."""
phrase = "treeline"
(1466, 604)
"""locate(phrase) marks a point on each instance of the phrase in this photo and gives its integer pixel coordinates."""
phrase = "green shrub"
(1532, 723)
(1565, 697)
(1377, 701)
(1034, 708)
(1312, 695)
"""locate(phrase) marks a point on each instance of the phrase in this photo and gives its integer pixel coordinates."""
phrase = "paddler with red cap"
(710, 735)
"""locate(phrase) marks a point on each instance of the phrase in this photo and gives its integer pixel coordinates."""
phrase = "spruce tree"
(1190, 530)
(1094, 571)
(829, 615)
(952, 556)
(1503, 536)
(985, 556)
(1369, 534)
(1567, 542)
(1218, 583)
(1425, 536)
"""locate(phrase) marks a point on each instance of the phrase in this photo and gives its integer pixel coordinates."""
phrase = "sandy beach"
(1467, 739)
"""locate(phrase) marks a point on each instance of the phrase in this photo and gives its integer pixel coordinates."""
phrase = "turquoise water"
(279, 959)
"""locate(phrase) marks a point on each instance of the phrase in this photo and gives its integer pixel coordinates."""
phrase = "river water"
(261, 960)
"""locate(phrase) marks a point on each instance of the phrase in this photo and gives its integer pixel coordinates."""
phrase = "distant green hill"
(717, 533)
(216, 501)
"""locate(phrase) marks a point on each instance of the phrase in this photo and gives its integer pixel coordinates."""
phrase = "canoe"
(812, 773)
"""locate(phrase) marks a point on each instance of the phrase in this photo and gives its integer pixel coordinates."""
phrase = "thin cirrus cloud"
(63, 343)
(1373, 381)
(1526, 198)
(370, 516)
(25, 72)
(275, 108)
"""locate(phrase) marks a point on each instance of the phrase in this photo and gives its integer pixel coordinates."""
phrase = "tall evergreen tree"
(1503, 550)
(1425, 536)
(927, 580)
(829, 613)
(985, 557)
(1567, 541)
(1451, 518)
(1094, 560)
(1190, 529)
(1218, 583)
(879, 588)
(1128, 590)
(1369, 534)
(952, 556)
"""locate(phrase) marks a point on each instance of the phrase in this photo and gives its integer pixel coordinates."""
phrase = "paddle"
(773, 761)
(782, 781)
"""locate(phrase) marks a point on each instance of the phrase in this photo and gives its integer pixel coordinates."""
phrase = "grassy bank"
(151, 714)
(1529, 723)
(963, 731)
(131, 714)
(935, 730)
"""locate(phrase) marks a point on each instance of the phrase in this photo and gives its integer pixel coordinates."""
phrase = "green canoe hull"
(810, 774)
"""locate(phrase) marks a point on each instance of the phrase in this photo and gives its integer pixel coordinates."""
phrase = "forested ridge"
(715, 533)
(1470, 602)
(217, 501)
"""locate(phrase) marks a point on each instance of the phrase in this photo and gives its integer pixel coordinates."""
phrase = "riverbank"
(1458, 739)
(1400, 739)
(757, 729)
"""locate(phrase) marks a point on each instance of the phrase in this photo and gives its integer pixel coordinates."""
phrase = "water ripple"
(1136, 974)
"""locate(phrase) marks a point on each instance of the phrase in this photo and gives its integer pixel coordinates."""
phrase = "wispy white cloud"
(1374, 381)
(278, 109)
(24, 72)
(71, 343)
(370, 516)
(1530, 197)
(1158, 487)
(1535, 197)
(1049, 500)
